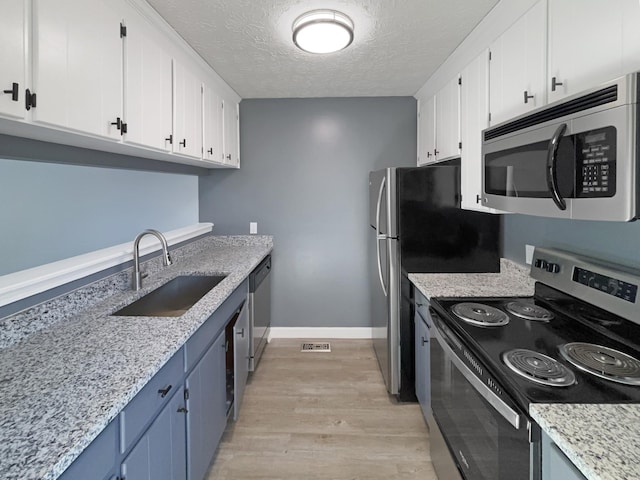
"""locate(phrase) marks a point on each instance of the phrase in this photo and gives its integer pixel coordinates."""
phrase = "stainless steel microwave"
(576, 158)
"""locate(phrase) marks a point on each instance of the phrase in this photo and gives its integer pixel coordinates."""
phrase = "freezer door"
(382, 201)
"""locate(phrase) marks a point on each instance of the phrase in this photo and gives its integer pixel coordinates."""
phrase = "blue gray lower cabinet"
(172, 427)
(422, 353)
(555, 464)
(240, 360)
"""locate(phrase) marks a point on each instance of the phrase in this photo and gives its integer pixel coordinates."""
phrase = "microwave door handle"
(509, 414)
(552, 167)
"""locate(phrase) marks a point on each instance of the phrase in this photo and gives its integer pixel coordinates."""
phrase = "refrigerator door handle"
(380, 237)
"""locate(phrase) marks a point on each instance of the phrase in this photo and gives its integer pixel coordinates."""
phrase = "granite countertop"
(60, 386)
(601, 440)
(512, 281)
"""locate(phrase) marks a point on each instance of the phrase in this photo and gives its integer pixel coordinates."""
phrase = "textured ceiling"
(398, 44)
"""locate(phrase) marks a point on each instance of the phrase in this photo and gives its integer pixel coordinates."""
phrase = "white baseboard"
(320, 332)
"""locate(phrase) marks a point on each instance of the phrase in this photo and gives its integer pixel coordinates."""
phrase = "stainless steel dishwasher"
(259, 310)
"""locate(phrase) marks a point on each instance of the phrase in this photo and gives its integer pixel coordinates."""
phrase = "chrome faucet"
(166, 258)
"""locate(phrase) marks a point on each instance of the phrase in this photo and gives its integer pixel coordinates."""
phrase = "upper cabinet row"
(101, 70)
(556, 49)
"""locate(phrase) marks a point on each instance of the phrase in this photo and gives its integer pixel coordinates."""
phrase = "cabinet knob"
(435, 152)
(30, 99)
(164, 391)
(241, 333)
(117, 123)
(228, 156)
(424, 341)
(13, 91)
(555, 83)
(527, 96)
(478, 199)
(169, 139)
(210, 151)
(428, 154)
(182, 410)
(183, 143)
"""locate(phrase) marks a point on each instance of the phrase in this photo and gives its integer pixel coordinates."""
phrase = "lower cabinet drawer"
(422, 307)
(144, 406)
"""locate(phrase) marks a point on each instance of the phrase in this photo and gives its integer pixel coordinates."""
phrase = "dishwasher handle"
(260, 273)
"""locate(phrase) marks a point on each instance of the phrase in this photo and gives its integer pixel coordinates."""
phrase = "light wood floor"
(322, 416)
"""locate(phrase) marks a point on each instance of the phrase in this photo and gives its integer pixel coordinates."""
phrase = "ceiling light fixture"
(322, 31)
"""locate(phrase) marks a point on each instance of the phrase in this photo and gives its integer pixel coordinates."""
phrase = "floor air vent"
(316, 347)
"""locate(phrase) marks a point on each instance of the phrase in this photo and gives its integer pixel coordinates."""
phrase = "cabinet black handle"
(13, 92)
(164, 391)
(477, 198)
(210, 151)
(424, 341)
(428, 154)
(117, 123)
(169, 139)
(555, 83)
(436, 152)
(527, 96)
(183, 143)
(29, 99)
(228, 156)
(241, 333)
(182, 410)
(124, 128)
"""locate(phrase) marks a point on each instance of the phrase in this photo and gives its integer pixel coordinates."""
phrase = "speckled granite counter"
(602, 441)
(512, 281)
(63, 383)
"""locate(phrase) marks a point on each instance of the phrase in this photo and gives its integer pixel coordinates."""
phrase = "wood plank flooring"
(322, 416)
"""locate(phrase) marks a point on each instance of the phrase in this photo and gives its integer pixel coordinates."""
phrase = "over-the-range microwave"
(576, 158)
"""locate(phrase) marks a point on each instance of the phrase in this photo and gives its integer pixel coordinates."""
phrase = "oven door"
(486, 434)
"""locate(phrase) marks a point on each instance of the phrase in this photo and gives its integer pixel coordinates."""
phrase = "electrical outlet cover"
(528, 252)
(253, 227)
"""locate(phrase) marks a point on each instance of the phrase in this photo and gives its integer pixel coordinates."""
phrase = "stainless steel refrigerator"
(417, 226)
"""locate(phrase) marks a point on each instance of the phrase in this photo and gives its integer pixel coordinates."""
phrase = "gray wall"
(304, 179)
(613, 241)
(50, 212)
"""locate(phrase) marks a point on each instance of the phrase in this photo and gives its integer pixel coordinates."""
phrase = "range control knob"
(540, 263)
(553, 268)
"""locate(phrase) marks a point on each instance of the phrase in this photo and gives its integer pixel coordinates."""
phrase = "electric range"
(576, 340)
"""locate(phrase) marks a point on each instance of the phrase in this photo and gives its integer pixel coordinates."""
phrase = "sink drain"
(316, 347)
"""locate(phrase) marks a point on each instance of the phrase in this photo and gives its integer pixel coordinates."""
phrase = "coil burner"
(529, 311)
(538, 368)
(603, 362)
(480, 315)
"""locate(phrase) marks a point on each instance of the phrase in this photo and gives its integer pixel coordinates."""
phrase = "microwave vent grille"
(600, 97)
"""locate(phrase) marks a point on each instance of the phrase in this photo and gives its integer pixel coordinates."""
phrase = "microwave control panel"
(596, 163)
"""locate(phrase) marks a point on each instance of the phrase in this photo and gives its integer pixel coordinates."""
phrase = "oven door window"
(484, 445)
(522, 171)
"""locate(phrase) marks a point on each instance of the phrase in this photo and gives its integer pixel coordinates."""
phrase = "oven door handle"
(509, 414)
(552, 167)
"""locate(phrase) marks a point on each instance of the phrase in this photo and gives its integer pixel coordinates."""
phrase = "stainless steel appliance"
(575, 341)
(259, 311)
(575, 158)
(417, 226)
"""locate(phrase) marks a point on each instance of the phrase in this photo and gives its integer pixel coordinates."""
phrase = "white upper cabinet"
(426, 130)
(585, 44)
(518, 66)
(13, 58)
(147, 86)
(187, 111)
(213, 120)
(474, 116)
(231, 147)
(77, 65)
(631, 35)
(448, 121)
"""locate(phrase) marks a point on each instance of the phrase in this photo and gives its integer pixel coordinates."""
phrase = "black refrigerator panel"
(436, 235)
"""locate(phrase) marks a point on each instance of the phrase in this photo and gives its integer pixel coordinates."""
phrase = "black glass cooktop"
(574, 321)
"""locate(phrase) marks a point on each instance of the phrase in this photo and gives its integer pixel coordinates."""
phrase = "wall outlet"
(528, 253)
(253, 228)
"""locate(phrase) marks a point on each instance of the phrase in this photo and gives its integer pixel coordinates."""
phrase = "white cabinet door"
(448, 120)
(213, 121)
(630, 36)
(518, 66)
(147, 86)
(77, 65)
(474, 115)
(187, 112)
(13, 58)
(231, 145)
(585, 45)
(427, 131)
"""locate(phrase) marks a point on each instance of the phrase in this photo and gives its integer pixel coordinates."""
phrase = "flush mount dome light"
(322, 31)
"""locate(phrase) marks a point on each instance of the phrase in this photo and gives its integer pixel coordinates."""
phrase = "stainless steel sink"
(172, 299)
